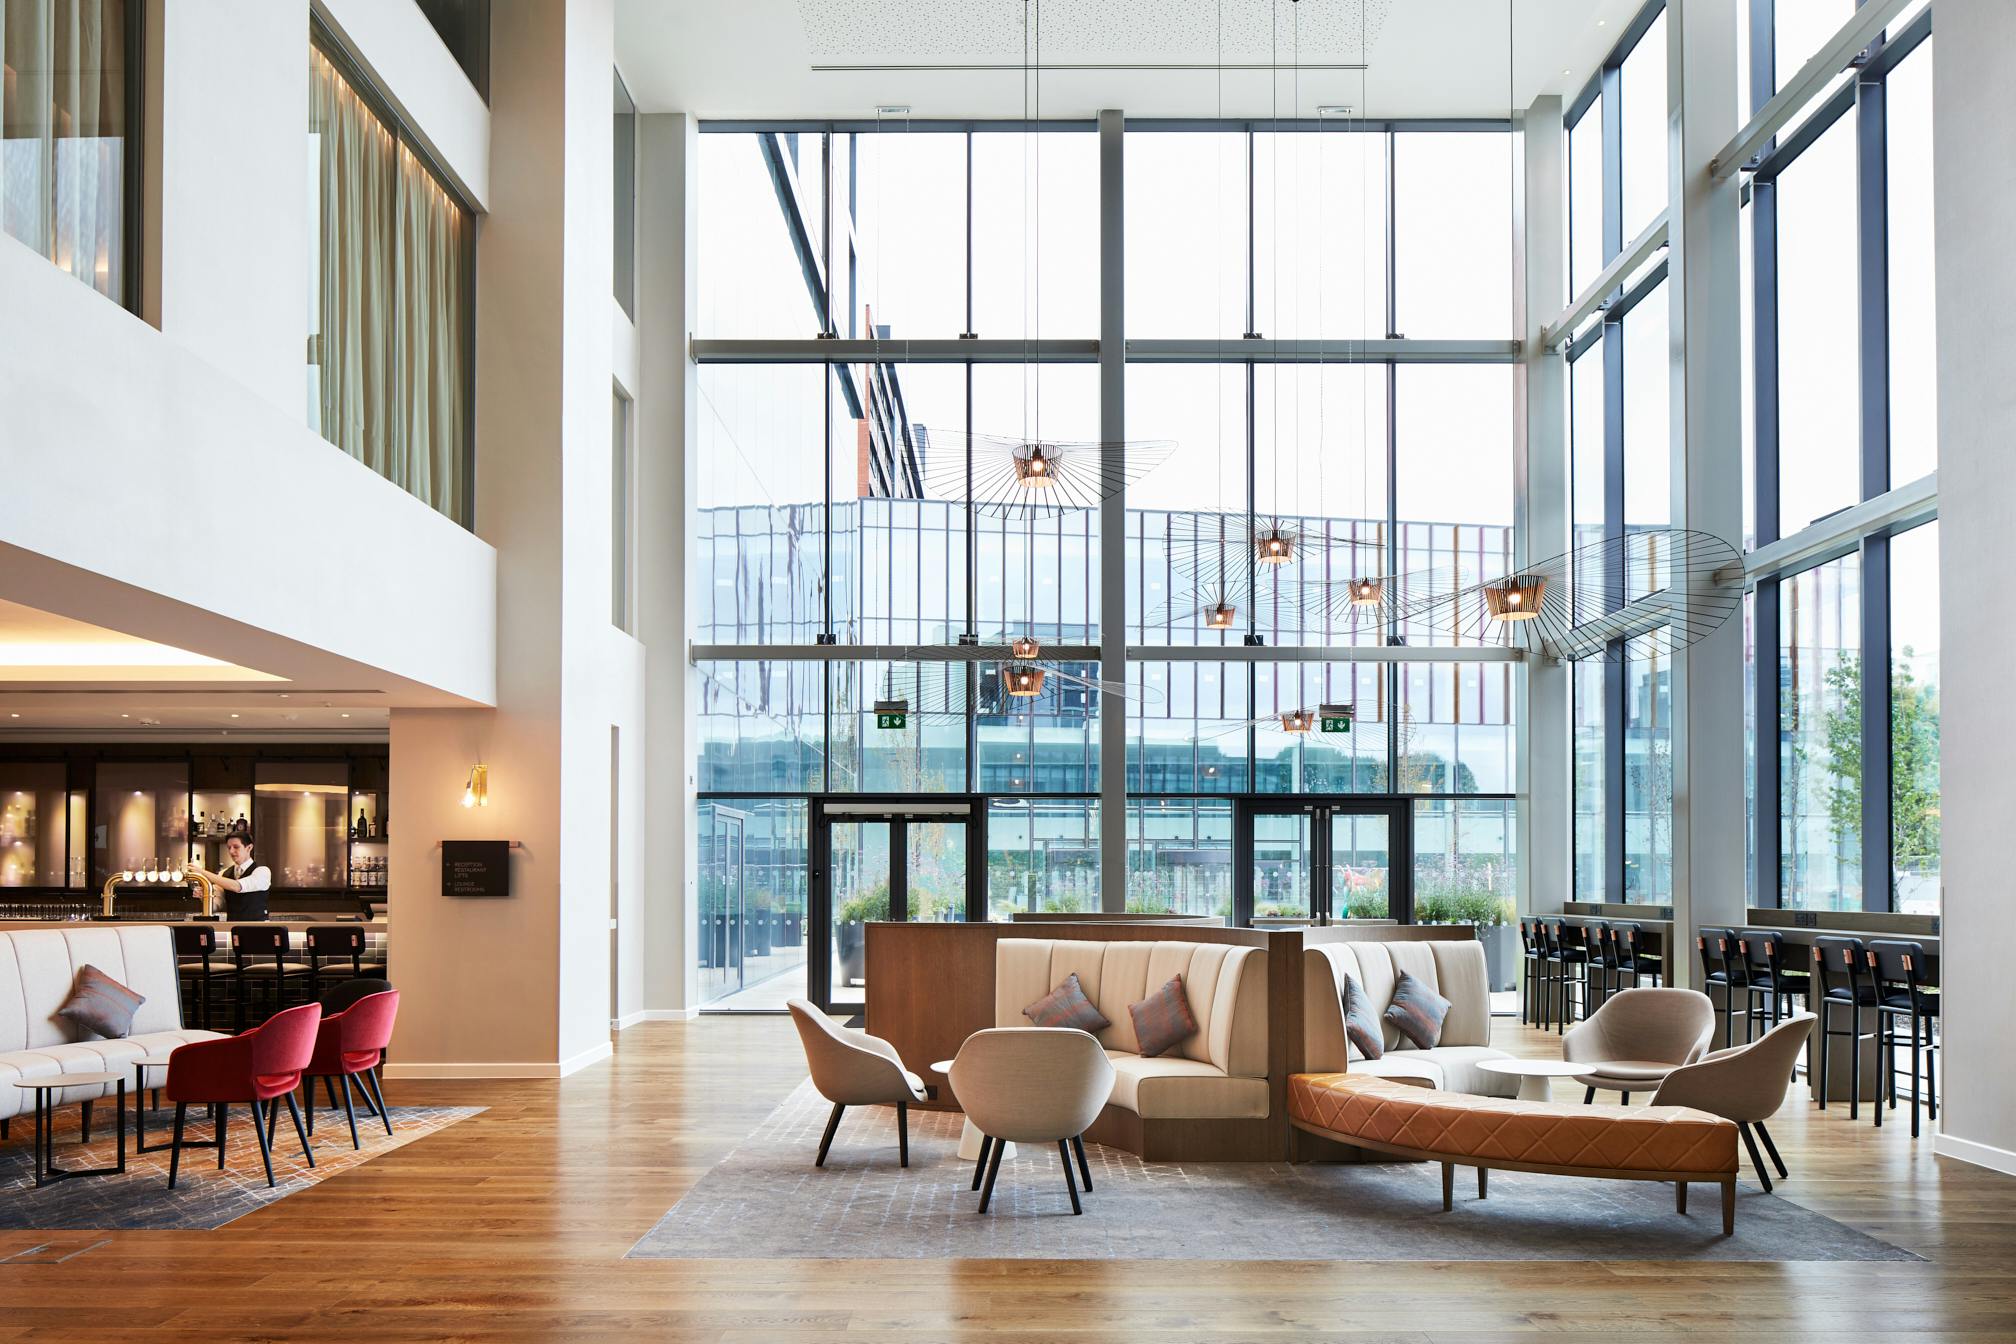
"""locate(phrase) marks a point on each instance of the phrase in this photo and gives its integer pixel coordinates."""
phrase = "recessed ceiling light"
(13, 716)
(234, 716)
(125, 716)
(346, 715)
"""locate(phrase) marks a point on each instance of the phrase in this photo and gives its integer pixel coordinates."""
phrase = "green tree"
(1914, 757)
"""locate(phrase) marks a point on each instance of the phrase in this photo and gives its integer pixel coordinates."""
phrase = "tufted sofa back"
(38, 968)
(1225, 984)
(1455, 970)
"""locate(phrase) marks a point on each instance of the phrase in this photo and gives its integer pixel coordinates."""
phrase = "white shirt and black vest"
(254, 880)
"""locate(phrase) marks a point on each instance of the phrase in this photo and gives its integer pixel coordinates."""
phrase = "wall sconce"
(476, 792)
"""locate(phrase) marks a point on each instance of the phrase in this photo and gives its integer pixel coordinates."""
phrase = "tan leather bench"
(1631, 1143)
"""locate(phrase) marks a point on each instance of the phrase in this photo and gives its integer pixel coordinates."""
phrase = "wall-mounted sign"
(475, 867)
(885, 719)
(1336, 718)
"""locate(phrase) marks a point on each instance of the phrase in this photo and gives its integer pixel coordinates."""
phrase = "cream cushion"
(38, 968)
(1220, 1072)
(1455, 970)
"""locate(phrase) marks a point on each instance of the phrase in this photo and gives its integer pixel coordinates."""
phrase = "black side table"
(46, 1090)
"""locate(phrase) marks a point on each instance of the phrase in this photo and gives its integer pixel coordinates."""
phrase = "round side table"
(969, 1135)
(47, 1090)
(1534, 1075)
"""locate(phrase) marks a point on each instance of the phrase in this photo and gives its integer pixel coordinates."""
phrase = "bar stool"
(1627, 937)
(195, 944)
(1599, 965)
(1533, 955)
(251, 944)
(334, 942)
(1568, 959)
(1716, 947)
(1840, 980)
(1767, 985)
(1897, 969)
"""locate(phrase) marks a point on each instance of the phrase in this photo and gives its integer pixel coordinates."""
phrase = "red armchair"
(256, 1068)
(351, 1044)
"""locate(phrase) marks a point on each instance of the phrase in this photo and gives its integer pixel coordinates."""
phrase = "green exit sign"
(1336, 723)
(888, 719)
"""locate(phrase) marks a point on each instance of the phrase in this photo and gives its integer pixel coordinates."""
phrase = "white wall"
(1974, 136)
(414, 70)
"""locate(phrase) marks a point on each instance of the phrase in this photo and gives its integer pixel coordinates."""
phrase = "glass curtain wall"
(389, 371)
(1839, 251)
(69, 134)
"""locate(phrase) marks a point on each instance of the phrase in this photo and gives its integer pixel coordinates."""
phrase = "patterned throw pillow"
(1162, 1021)
(1417, 1012)
(1361, 1024)
(1067, 1006)
(101, 1005)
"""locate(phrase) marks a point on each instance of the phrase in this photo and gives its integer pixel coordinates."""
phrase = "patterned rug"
(203, 1197)
(767, 1201)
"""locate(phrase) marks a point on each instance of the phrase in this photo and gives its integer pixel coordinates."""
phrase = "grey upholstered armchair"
(1638, 1037)
(1745, 1083)
(852, 1068)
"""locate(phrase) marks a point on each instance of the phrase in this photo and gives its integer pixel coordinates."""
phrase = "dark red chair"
(256, 1068)
(351, 1044)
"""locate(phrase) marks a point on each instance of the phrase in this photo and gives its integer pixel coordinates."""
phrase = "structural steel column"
(1112, 513)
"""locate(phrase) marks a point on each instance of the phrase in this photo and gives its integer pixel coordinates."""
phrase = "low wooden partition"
(931, 985)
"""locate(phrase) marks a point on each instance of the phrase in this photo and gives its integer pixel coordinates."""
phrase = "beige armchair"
(1745, 1084)
(1638, 1037)
(1032, 1085)
(852, 1068)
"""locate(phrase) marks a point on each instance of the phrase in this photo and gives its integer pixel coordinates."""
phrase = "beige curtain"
(387, 357)
(63, 134)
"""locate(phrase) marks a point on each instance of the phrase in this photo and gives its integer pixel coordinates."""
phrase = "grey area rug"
(204, 1197)
(766, 1201)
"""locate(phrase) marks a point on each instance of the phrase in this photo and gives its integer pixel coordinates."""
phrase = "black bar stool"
(1897, 970)
(195, 944)
(1627, 939)
(1534, 956)
(251, 947)
(1840, 980)
(1716, 946)
(1568, 959)
(1599, 966)
(340, 943)
(1769, 986)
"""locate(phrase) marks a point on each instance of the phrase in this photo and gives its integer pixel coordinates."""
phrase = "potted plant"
(1492, 915)
(850, 935)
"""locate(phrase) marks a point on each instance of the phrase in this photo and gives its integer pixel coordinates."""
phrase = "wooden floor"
(512, 1226)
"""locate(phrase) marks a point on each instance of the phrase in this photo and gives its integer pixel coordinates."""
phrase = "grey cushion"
(101, 1005)
(1417, 1012)
(1067, 1006)
(1361, 1020)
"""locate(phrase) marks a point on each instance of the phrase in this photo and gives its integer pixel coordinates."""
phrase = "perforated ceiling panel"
(1122, 32)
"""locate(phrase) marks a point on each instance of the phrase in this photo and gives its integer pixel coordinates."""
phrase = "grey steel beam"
(1863, 27)
(1599, 290)
(949, 350)
(1113, 509)
(1263, 351)
(1841, 533)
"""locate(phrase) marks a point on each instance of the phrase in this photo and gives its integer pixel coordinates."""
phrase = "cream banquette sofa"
(1218, 1073)
(1455, 970)
(38, 968)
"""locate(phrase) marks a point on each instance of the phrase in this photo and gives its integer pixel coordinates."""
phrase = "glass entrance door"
(1317, 860)
(874, 862)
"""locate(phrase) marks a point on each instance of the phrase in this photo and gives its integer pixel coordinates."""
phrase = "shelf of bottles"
(37, 814)
(368, 863)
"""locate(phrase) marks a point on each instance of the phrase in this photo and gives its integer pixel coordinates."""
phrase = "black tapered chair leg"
(1931, 1075)
(1078, 1145)
(294, 1110)
(329, 1087)
(175, 1144)
(1826, 1017)
(369, 1082)
(272, 1109)
(1627, 1098)
(1771, 1148)
(87, 1121)
(1070, 1181)
(1855, 1065)
(350, 1113)
(980, 1162)
(902, 1133)
(1915, 1037)
(1589, 1096)
(993, 1170)
(223, 1123)
(308, 1103)
(832, 1123)
(265, 1144)
(1756, 1158)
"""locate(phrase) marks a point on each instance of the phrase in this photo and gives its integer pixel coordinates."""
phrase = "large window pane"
(1179, 856)
(926, 755)
(762, 726)
(1186, 519)
(1038, 575)
(1585, 200)
(1452, 228)
(1313, 760)
(1648, 774)
(1045, 743)
(1817, 325)
(1455, 728)
(910, 209)
(1914, 719)
(1914, 406)
(751, 282)
(64, 123)
(1820, 758)
(1587, 457)
(752, 861)
(1454, 479)
(626, 197)
(1319, 234)
(1644, 149)
(1186, 727)
(1042, 856)
(1591, 880)
(1186, 234)
(1648, 434)
(1466, 865)
(761, 513)
(1035, 210)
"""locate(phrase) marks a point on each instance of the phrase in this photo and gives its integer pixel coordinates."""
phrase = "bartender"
(245, 882)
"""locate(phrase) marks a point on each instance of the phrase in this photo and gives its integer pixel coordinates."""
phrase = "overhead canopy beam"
(1591, 300)
(1840, 533)
(1240, 350)
(1089, 653)
(1863, 27)
(1232, 350)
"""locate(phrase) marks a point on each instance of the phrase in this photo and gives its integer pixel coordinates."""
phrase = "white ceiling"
(43, 647)
(1425, 58)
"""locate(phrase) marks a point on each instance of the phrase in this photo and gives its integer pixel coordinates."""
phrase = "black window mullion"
(1873, 358)
(1770, 739)
(1614, 755)
(1875, 781)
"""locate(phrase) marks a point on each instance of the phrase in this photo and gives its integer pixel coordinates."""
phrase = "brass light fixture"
(1221, 616)
(1297, 721)
(1367, 592)
(1025, 647)
(1515, 599)
(1036, 471)
(476, 791)
(1274, 547)
(1025, 681)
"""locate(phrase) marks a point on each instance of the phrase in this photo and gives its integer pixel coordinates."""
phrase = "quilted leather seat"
(1595, 1139)
(1218, 1073)
(1455, 970)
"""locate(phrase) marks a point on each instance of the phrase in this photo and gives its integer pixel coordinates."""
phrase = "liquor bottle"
(363, 831)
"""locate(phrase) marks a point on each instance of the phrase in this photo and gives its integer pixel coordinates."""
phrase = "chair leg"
(1914, 1075)
(329, 1089)
(1855, 1063)
(175, 1144)
(223, 1122)
(1483, 1181)
(1729, 1207)
(294, 1110)
(832, 1123)
(993, 1170)
(902, 1133)
(1931, 1073)
(265, 1144)
(369, 1082)
(1078, 1144)
(1756, 1158)
(1448, 1186)
(350, 1112)
(272, 1109)
(1070, 1181)
(87, 1121)
(308, 1102)
(980, 1162)
(1771, 1148)
(1589, 1096)
(1826, 1017)
(1627, 1098)
(1680, 1197)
